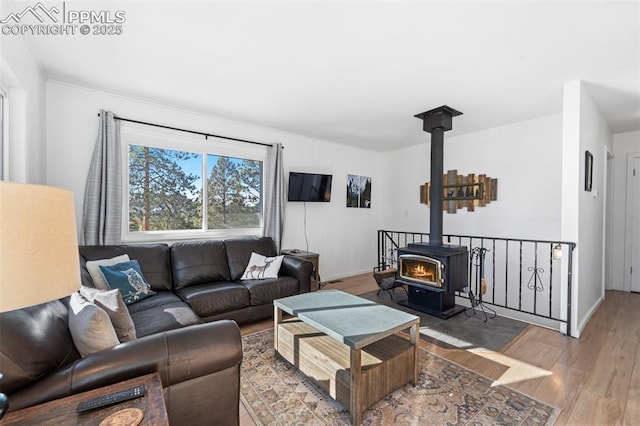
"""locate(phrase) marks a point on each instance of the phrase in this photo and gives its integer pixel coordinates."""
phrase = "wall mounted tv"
(309, 187)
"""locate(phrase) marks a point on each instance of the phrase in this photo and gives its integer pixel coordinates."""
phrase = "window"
(234, 192)
(181, 188)
(3, 139)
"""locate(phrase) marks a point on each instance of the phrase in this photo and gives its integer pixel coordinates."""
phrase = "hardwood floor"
(595, 380)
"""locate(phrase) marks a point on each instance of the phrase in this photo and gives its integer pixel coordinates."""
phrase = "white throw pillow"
(93, 266)
(112, 303)
(90, 326)
(261, 267)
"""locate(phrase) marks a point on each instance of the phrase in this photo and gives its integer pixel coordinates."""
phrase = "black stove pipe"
(435, 188)
(437, 121)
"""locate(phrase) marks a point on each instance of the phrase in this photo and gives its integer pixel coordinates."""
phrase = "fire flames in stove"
(420, 272)
(421, 269)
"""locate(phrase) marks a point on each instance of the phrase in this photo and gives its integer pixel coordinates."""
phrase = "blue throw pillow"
(128, 278)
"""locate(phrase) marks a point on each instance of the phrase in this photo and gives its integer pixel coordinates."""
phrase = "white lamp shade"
(39, 259)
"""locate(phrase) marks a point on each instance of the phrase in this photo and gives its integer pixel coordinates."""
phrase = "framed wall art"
(460, 191)
(358, 191)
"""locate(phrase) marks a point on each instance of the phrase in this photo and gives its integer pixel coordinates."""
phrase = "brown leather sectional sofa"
(187, 331)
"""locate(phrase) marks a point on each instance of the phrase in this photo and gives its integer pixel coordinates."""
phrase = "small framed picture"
(588, 171)
(358, 191)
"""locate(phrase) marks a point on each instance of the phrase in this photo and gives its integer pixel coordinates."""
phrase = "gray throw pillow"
(90, 326)
(93, 266)
(112, 303)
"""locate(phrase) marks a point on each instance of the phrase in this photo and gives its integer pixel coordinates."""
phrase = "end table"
(314, 258)
(63, 411)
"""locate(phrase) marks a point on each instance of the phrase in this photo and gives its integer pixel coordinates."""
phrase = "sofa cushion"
(90, 326)
(239, 252)
(162, 312)
(265, 291)
(112, 303)
(198, 262)
(154, 260)
(128, 278)
(211, 298)
(93, 266)
(44, 343)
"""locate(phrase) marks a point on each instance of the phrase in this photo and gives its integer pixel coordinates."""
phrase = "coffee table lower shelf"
(386, 364)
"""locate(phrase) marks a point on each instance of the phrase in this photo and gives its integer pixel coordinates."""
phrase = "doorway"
(608, 219)
(632, 232)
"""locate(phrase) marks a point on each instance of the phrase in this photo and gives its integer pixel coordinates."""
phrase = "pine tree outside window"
(234, 192)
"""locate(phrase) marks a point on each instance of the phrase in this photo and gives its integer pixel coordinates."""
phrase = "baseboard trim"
(587, 317)
(346, 275)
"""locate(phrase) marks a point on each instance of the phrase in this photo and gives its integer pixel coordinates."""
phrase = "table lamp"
(39, 259)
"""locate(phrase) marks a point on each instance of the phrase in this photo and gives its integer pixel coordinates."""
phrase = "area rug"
(276, 393)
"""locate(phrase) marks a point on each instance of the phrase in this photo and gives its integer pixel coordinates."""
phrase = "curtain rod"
(195, 132)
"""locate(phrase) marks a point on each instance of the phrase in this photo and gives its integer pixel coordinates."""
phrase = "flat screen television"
(309, 187)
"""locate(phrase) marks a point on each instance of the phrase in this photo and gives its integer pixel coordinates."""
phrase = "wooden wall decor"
(460, 191)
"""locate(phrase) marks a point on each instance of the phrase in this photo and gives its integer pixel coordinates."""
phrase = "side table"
(63, 411)
(314, 258)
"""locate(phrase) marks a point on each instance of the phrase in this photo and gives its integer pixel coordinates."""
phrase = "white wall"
(21, 79)
(344, 238)
(525, 157)
(570, 187)
(623, 145)
(584, 129)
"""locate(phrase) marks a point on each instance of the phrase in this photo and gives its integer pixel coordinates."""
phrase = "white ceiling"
(355, 72)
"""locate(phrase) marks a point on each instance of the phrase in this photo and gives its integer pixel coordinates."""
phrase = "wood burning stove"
(446, 270)
(434, 271)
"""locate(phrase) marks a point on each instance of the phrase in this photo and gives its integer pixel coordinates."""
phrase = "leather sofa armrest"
(177, 355)
(299, 268)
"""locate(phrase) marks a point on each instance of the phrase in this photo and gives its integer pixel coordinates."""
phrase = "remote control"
(111, 399)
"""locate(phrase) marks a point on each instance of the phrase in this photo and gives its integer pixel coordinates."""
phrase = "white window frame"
(135, 134)
(4, 136)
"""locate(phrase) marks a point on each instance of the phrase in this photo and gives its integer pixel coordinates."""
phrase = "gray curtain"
(274, 195)
(102, 209)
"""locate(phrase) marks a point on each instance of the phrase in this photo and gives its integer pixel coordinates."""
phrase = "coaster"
(126, 417)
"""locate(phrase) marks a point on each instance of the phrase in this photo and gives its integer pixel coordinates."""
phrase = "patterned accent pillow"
(261, 267)
(128, 278)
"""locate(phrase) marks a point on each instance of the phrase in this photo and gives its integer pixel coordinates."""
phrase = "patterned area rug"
(276, 393)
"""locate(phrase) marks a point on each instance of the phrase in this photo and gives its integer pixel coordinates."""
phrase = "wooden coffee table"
(348, 345)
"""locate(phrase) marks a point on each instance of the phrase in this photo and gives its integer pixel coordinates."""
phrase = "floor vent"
(334, 282)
